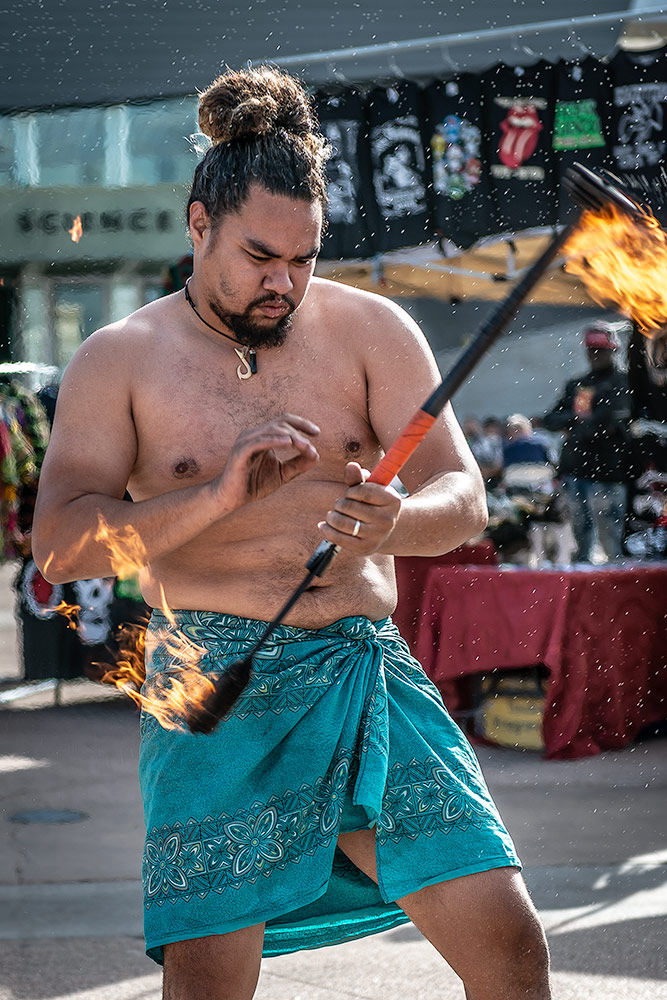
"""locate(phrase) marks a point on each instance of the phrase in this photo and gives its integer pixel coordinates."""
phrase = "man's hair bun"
(263, 130)
(247, 104)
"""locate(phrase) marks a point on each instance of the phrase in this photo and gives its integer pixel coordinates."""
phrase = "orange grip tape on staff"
(405, 444)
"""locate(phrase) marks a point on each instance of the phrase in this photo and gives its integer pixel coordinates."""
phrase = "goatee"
(251, 333)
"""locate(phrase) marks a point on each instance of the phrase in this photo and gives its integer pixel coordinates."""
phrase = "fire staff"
(338, 798)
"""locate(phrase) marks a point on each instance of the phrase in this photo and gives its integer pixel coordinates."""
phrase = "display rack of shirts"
(458, 174)
(394, 117)
(518, 116)
(350, 208)
(579, 132)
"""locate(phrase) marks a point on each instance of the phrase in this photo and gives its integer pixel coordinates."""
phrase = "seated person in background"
(529, 479)
(521, 445)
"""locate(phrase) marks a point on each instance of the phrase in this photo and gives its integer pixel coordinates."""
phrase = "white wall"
(522, 373)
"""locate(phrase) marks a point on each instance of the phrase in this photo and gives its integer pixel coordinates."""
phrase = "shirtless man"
(235, 480)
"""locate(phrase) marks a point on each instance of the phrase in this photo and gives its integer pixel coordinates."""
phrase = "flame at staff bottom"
(622, 261)
(70, 612)
(182, 687)
(170, 696)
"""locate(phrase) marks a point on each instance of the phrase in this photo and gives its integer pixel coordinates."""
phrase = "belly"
(251, 562)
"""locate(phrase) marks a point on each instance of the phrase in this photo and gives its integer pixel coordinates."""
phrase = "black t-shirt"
(394, 117)
(638, 125)
(518, 115)
(459, 177)
(579, 136)
(348, 176)
(594, 411)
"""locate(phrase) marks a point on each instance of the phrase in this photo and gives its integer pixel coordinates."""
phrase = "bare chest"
(188, 416)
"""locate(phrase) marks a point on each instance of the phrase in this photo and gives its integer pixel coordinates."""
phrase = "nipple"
(186, 468)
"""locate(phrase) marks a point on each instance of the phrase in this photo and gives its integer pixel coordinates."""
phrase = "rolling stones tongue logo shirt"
(459, 176)
(520, 131)
(638, 125)
(347, 234)
(518, 117)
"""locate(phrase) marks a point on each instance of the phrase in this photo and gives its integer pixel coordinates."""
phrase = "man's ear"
(200, 223)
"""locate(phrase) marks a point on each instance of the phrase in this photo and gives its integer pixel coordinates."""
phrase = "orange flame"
(126, 550)
(76, 232)
(70, 612)
(168, 696)
(622, 261)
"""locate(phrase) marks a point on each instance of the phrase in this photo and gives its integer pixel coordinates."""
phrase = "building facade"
(124, 173)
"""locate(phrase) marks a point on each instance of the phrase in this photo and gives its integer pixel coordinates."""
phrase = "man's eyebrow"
(265, 251)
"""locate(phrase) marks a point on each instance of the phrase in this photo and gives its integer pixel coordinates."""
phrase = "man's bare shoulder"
(123, 343)
(358, 311)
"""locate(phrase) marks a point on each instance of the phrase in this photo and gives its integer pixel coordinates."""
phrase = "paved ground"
(591, 833)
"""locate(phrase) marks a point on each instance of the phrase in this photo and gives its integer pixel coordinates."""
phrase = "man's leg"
(483, 925)
(609, 503)
(582, 518)
(220, 967)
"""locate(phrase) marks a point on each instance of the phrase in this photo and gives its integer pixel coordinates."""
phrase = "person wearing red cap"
(594, 411)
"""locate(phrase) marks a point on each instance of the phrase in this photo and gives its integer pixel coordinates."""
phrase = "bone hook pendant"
(247, 367)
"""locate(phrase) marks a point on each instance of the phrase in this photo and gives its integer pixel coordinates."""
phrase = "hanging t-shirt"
(583, 90)
(394, 116)
(518, 116)
(638, 125)
(459, 177)
(348, 176)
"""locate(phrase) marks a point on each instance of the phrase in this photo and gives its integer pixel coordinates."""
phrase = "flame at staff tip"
(76, 232)
(126, 549)
(622, 261)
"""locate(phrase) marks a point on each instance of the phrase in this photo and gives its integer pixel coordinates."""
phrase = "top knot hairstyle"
(264, 130)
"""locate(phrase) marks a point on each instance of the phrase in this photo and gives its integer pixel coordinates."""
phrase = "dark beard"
(253, 334)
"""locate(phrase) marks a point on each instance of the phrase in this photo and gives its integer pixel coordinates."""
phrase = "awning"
(56, 55)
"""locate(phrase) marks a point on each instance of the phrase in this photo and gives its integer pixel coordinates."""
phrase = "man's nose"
(278, 279)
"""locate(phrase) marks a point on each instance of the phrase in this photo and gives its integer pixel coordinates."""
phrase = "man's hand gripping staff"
(591, 193)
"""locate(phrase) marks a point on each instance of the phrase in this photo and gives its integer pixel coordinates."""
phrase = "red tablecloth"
(600, 632)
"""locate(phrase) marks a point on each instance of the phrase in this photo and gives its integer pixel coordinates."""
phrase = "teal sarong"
(338, 730)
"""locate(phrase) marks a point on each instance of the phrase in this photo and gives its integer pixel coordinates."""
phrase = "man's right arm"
(92, 453)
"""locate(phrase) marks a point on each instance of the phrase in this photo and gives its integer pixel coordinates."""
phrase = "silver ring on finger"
(356, 529)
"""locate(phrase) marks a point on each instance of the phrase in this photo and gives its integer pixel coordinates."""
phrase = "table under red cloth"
(600, 632)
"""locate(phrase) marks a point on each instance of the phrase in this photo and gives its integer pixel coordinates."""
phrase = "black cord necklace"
(245, 354)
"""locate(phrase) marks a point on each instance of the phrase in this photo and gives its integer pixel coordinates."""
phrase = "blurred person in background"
(521, 445)
(594, 412)
(529, 478)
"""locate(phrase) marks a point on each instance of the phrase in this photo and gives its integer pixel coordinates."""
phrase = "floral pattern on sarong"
(424, 797)
(214, 854)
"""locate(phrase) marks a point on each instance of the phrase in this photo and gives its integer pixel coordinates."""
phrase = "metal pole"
(462, 38)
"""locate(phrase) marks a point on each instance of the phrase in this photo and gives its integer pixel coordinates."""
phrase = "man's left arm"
(447, 501)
